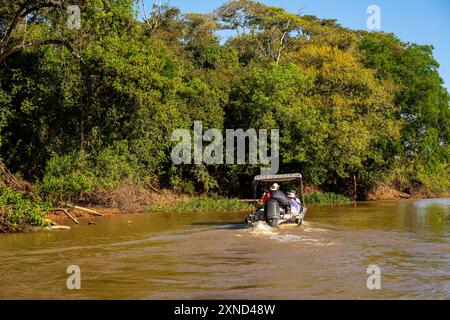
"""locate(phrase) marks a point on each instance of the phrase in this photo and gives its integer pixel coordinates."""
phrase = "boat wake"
(308, 227)
(261, 229)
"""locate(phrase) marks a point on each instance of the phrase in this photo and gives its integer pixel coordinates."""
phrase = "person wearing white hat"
(268, 195)
(294, 203)
(275, 187)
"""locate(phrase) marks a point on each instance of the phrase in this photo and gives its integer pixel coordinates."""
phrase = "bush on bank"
(71, 177)
(217, 204)
(202, 204)
(17, 211)
(326, 198)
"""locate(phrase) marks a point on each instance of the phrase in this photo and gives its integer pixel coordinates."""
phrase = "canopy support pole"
(302, 193)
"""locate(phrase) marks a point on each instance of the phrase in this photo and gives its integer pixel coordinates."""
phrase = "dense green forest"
(88, 109)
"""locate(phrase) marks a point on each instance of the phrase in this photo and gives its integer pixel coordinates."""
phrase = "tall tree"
(17, 17)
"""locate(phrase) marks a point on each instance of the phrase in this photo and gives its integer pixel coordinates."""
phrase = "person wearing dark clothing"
(280, 197)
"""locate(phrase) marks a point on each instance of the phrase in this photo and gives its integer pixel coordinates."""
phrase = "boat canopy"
(279, 178)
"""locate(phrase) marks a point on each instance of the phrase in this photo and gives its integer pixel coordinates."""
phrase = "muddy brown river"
(212, 256)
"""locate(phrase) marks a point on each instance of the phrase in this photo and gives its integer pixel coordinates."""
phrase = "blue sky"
(419, 21)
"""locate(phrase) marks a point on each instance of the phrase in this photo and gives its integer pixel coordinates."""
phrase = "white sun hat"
(275, 186)
(291, 194)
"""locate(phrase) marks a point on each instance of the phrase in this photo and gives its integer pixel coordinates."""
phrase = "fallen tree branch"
(93, 212)
(67, 214)
(58, 227)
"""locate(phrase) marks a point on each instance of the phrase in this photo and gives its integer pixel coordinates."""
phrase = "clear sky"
(419, 21)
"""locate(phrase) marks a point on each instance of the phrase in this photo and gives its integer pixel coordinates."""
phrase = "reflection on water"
(212, 256)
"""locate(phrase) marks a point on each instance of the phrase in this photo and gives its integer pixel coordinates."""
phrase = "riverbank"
(199, 207)
(20, 213)
(383, 192)
(23, 211)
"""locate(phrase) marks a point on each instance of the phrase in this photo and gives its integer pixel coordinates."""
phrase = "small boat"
(272, 213)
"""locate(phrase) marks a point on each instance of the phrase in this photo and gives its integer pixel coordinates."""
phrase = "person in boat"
(266, 196)
(295, 206)
(279, 196)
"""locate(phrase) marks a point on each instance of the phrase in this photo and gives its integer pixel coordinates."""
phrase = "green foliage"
(350, 105)
(326, 198)
(73, 176)
(17, 210)
(203, 204)
(188, 188)
(423, 102)
(66, 178)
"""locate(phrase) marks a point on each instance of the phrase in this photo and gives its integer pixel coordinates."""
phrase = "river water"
(212, 256)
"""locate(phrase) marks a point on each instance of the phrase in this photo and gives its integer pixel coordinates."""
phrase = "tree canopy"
(353, 107)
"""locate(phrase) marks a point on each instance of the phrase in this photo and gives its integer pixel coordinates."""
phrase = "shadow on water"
(221, 225)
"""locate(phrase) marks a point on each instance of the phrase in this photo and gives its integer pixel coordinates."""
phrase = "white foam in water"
(307, 227)
(262, 229)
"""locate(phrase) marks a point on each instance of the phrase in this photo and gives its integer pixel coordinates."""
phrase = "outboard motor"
(272, 212)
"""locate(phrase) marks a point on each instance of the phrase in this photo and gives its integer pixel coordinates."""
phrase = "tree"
(423, 104)
(16, 17)
(272, 30)
(199, 31)
(353, 108)
(235, 15)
